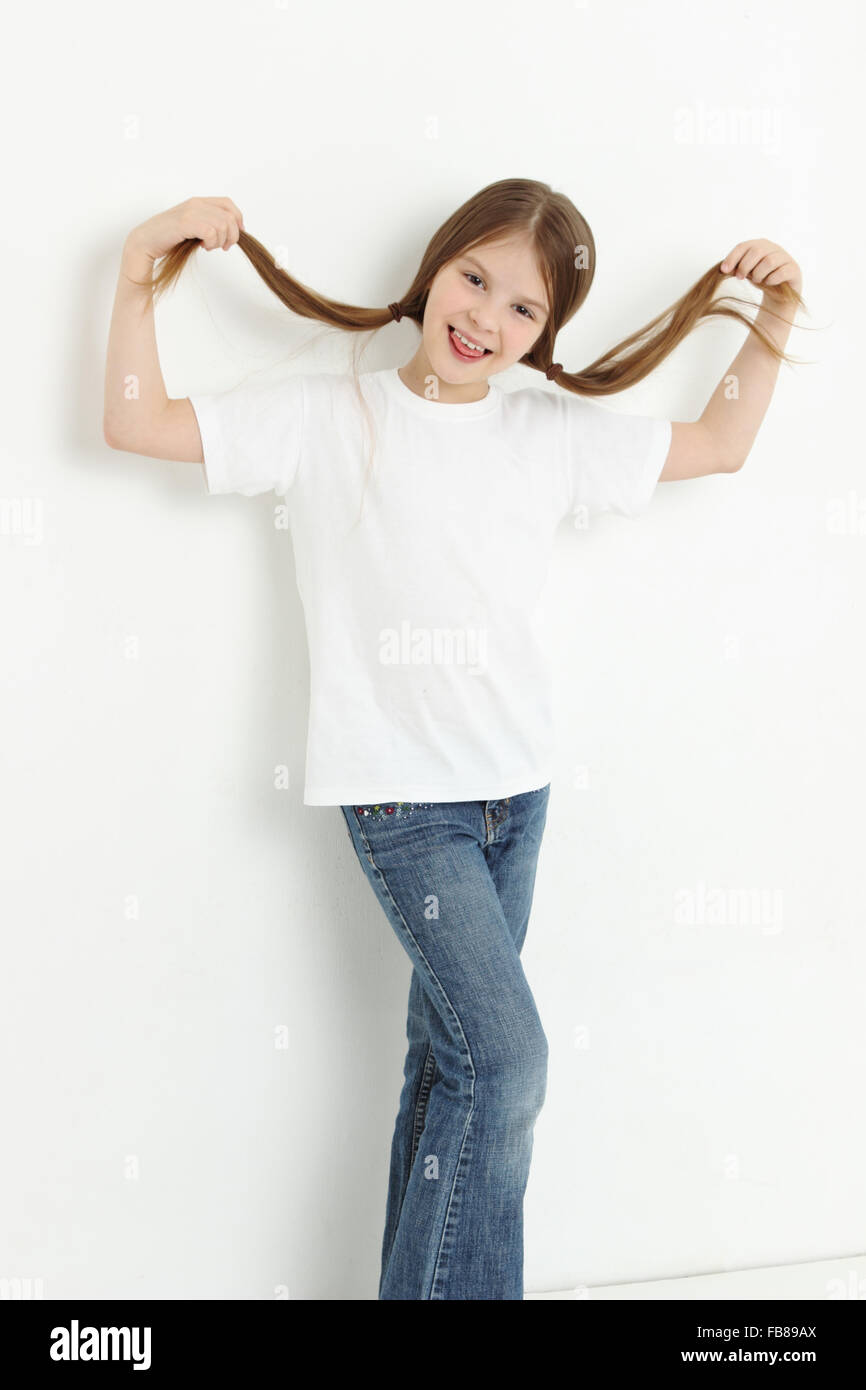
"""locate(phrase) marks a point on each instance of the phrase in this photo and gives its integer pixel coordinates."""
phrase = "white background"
(167, 911)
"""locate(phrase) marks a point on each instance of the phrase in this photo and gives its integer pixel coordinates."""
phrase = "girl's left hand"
(763, 262)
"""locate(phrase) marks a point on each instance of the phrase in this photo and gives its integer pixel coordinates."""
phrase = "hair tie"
(396, 311)
(553, 370)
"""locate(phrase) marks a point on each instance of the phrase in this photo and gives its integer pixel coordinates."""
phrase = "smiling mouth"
(468, 354)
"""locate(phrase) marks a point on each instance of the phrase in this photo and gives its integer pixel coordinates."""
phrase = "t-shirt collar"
(401, 394)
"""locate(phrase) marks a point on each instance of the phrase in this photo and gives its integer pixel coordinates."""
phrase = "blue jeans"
(455, 879)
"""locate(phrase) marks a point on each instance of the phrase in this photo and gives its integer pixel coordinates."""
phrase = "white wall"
(166, 910)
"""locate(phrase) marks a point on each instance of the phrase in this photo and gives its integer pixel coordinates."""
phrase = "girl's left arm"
(720, 441)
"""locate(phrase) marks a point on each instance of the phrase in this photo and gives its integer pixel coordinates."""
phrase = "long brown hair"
(565, 249)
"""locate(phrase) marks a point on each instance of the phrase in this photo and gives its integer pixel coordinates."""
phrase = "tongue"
(467, 352)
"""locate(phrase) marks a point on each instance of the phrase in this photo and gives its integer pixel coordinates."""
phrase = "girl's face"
(494, 296)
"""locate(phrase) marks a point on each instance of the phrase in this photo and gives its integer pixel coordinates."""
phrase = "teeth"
(473, 346)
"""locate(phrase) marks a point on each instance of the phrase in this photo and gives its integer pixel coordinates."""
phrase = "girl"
(430, 721)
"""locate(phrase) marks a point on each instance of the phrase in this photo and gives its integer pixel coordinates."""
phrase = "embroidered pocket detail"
(392, 810)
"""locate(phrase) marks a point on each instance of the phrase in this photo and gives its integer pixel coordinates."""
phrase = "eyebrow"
(534, 302)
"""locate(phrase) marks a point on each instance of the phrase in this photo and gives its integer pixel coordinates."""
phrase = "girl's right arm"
(138, 415)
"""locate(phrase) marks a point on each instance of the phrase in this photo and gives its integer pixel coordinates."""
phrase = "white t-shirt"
(427, 678)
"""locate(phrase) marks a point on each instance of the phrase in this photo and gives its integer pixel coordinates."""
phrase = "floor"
(819, 1280)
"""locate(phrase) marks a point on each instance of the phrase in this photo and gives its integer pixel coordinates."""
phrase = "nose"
(484, 327)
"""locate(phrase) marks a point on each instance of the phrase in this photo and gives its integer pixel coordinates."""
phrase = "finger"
(234, 233)
(729, 264)
(771, 261)
(751, 258)
(230, 207)
(227, 227)
(218, 234)
(781, 274)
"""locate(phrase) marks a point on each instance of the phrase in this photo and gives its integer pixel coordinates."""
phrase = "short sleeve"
(252, 435)
(612, 460)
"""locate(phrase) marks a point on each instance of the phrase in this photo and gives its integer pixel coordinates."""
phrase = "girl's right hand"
(212, 221)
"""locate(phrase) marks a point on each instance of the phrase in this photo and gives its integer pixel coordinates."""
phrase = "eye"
(470, 275)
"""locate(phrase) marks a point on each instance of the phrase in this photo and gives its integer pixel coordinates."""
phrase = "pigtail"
(638, 355)
(299, 298)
